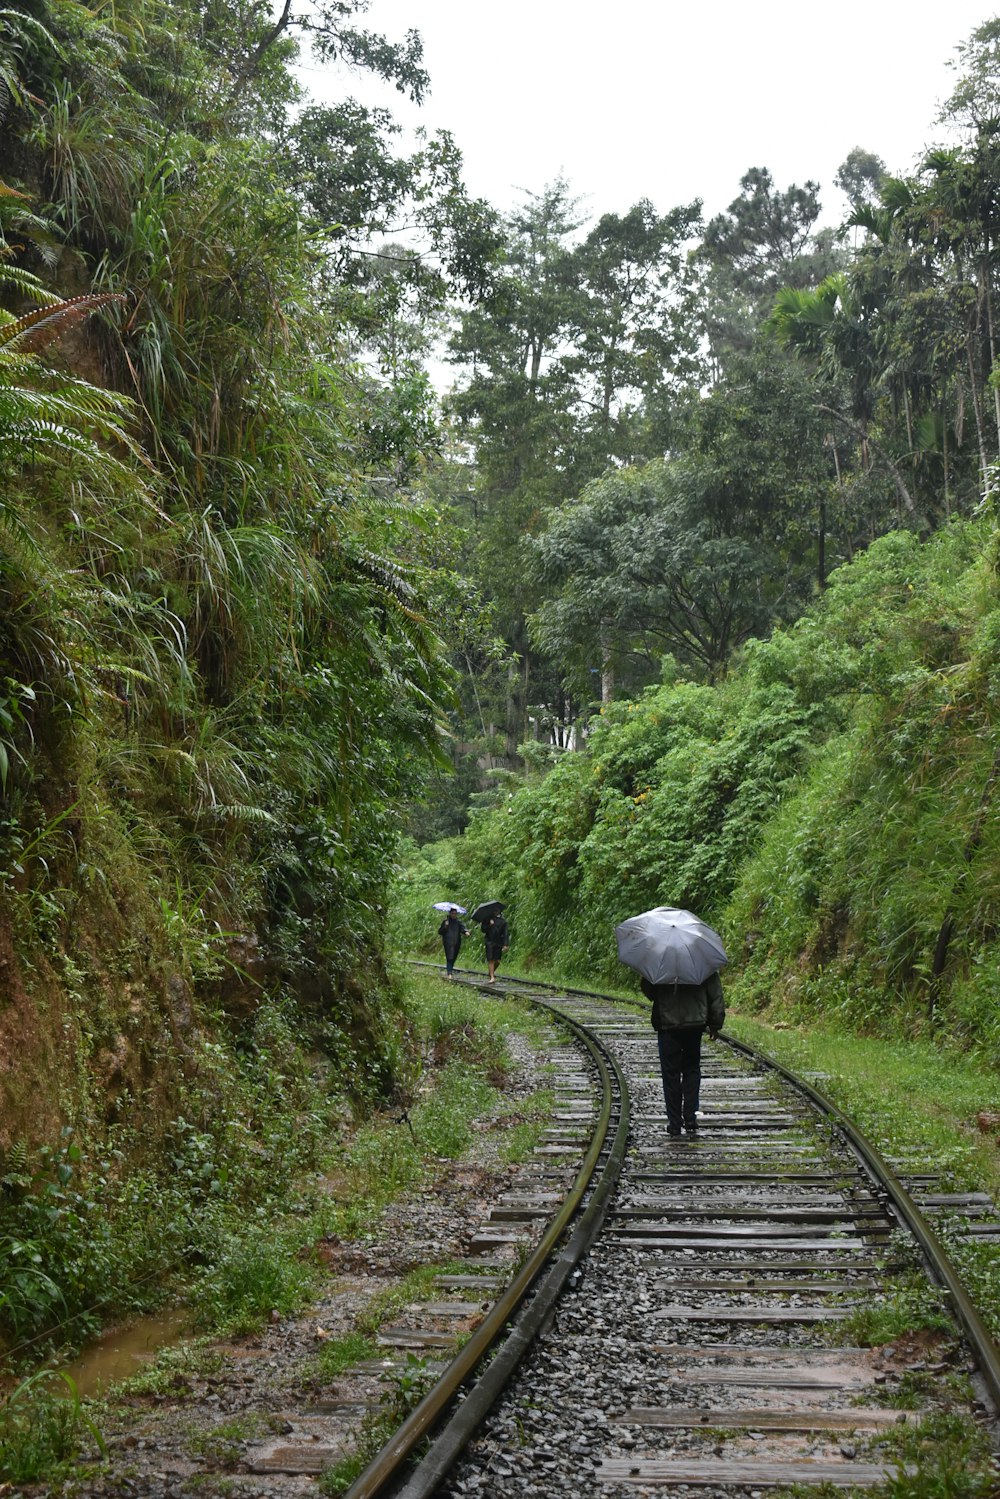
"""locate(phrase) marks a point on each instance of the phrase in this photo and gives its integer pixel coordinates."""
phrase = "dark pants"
(680, 1064)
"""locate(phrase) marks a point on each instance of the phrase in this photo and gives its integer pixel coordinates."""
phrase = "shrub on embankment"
(830, 806)
(218, 677)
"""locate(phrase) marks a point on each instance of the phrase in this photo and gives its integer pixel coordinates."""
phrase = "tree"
(764, 241)
(636, 328)
(574, 360)
(832, 325)
(694, 554)
(765, 234)
(642, 570)
(860, 177)
(974, 103)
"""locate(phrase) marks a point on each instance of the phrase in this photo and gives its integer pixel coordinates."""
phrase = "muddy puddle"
(125, 1350)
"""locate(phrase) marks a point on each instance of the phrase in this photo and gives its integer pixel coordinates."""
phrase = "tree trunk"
(821, 547)
(976, 411)
(517, 684)
(536, 365)
(869, 442)
(944, 460)
(984, 272)
(475, 693)
(607, 668)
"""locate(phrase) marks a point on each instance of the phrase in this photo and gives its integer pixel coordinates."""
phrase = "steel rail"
(942, 1270)
(984, 1346)
(447, 1446)
(472, 976)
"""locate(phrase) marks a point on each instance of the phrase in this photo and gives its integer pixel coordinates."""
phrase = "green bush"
(442, 1123)
(82, 1239)
(831, 806)
(41, 1422)
(251, 1277)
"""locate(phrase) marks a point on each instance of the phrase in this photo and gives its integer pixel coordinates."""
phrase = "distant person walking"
(497, 937)
(451, 931)
(681, 1015)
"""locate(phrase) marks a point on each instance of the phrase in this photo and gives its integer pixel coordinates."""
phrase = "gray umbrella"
(670, 946)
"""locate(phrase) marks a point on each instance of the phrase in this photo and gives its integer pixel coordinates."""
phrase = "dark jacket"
(497, 936)
(451, 931)
(686, 1004)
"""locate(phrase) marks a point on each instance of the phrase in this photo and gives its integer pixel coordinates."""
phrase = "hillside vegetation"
(830, 806)
(219, 677)
(687, 577)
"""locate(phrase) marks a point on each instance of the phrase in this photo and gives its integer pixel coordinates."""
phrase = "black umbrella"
(488, 909)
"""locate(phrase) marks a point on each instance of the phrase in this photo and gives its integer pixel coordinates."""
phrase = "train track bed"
(709, 1344)
(258, 1418)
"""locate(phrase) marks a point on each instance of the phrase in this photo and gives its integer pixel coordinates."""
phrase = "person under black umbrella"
(489, 914)
(497, 938)
(451, 931)
(681, 1015)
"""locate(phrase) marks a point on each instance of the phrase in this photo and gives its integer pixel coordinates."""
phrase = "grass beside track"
(923, 1107)
(451, 1094)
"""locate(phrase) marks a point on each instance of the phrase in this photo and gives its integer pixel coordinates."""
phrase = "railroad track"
(680, 1324)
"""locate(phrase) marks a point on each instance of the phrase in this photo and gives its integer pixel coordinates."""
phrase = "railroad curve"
(680, 1326)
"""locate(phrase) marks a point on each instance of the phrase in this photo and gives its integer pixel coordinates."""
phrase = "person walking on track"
(681, 1015)
(451, 931)
(497, 936)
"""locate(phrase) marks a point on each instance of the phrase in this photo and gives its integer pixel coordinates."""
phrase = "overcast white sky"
(675, 100)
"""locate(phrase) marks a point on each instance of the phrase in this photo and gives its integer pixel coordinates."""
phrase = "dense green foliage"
(236, 1228)
(829, 805)
(258, 592)
(82, 1240)
(219, 674)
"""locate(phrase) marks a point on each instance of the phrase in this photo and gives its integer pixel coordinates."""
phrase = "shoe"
(692, 1128)
(672, 1131)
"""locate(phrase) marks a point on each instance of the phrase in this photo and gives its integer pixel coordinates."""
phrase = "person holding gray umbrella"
(451, 931)
(678, 957)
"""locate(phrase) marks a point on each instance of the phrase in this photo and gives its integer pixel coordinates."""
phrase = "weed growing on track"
(979, 1266)
(375, 1430)
(524, 1133)
(222, 1445)
(900, 1308)
(342, 1353)
(385, 1304)
(949, 1453)
(405, 1390)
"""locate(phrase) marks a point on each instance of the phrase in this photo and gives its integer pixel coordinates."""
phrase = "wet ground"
(255, 1416)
